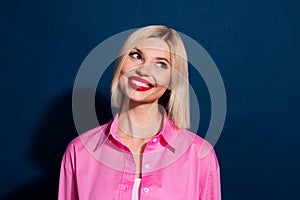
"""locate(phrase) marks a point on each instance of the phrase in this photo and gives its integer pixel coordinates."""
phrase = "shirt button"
(154, 140)
(147, 166)
(146, 190)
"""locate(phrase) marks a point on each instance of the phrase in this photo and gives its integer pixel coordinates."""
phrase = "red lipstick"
(139, 83)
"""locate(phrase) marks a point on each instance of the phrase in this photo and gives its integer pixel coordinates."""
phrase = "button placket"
(147, 166)
(154, 140)
(146, 190)
(124, 188)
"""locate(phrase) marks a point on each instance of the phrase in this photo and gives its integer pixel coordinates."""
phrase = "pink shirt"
(177, 165)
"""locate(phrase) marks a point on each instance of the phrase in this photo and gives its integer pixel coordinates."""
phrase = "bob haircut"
(176, 98)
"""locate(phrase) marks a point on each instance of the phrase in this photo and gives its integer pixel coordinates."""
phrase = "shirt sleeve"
(212, 189)
(67, 181)
(214, 186)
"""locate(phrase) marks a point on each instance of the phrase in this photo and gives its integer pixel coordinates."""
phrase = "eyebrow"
(138, 50)
(157, 58)
(161, 58)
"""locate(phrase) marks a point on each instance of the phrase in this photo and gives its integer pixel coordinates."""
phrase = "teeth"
(140, 84)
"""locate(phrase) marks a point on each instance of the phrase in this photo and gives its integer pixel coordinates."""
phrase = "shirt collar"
(168, 131)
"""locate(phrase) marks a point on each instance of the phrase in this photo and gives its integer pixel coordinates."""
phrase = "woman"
(144, 152)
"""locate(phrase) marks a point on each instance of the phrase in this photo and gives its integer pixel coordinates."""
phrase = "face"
(146, 71)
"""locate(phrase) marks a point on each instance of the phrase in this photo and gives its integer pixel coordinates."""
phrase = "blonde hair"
(176, 100)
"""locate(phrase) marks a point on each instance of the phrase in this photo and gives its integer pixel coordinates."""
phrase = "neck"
(140, 120)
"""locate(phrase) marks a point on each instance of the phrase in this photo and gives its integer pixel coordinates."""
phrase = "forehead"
(154, 44)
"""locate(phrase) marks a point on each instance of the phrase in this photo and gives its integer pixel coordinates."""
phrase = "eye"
(162, 65)
(135, 55)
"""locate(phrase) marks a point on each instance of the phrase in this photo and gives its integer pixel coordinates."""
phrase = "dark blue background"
(255, 45)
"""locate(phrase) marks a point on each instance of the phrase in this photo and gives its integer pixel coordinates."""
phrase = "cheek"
(124, 70)
(127, 67)
(164, 78)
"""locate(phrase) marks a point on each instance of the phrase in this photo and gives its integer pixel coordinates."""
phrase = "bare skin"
(140, 117)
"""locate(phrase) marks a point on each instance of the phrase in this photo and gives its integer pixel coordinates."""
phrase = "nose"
(143, 70)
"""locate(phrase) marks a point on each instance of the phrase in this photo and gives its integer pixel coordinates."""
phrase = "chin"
(143, 101)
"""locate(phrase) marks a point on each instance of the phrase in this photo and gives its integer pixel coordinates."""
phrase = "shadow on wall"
(51, 138)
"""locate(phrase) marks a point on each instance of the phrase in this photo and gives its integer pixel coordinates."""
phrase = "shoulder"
(203, 151)
(89, 138)
(200, 146)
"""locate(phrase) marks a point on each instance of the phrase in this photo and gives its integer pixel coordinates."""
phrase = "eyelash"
(135, 53)
(163, 65)
(132, 54)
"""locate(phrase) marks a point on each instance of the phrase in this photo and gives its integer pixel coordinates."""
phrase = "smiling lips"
(139, 84)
